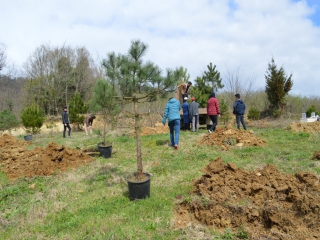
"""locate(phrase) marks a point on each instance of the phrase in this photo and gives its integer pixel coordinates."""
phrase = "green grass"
(92, 201)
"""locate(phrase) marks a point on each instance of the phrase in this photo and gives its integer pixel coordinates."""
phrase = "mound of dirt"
(16, 161)
(226, 137)
(316, 155)
(8, 141)
(268, 204)
(310, 127)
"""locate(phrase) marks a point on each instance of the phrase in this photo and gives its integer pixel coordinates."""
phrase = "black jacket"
(65, 117)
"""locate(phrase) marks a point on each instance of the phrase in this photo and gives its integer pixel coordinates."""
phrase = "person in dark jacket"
(186, 117)
(194, 114)
(172, 112)
(239, 109)
(213, 111)
(66, 122)
(88, 123)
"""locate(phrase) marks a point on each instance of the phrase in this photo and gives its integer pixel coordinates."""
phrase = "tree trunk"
(137, 130)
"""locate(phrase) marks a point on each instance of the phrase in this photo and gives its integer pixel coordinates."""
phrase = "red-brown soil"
(226, 137)
(310, 127)
(316, 155)
(16, 161)
(266, 203)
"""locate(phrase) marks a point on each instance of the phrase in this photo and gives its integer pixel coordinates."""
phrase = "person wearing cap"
(88, 123)
(172, 112)
(213, 111)
(186, 116)
(66, 122)
(194, 114)
(239, 109)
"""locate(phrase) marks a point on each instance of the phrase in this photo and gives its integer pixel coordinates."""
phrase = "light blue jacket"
(171, 111)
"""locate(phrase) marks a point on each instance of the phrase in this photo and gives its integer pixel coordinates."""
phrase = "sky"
(242, 35)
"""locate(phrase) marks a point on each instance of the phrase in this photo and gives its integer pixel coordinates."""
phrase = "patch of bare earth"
(266, 203)
(226, 137)
(316, 155)
(310, 127)
(16, 161)
(158, 128)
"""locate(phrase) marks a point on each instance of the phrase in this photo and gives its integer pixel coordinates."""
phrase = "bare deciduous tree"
(3, 56)
(55, 74)
(236, 81)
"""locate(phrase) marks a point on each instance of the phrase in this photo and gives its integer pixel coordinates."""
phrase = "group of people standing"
(172, 113)
(191, 115)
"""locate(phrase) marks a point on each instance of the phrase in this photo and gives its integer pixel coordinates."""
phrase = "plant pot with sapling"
(32, 120)
(105, 102)
(137, 82)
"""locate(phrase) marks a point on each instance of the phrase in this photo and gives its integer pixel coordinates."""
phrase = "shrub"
(276, 113)
(76, 108)
(254, 113)
(224, 110)
(8, 120)
(32, 119)
(311, 109)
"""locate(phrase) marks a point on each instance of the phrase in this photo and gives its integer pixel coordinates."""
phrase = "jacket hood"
(172, 100)
(240, 100)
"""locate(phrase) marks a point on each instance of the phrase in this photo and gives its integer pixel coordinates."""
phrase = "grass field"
(91, 202)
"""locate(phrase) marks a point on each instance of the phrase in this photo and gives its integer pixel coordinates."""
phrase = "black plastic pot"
(105, 151)
(139, 190)
(28, 137)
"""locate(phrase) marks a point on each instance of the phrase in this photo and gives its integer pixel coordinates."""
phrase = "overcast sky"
(231, 34)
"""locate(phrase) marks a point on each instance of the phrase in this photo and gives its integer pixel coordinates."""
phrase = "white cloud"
(246, 33)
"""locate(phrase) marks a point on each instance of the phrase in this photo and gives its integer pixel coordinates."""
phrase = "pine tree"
(213, 76)
(76, 110)
(137, 81)
(278, 86)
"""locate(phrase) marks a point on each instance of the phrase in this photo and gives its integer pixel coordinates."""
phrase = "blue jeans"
(239, 119)
(174, 127)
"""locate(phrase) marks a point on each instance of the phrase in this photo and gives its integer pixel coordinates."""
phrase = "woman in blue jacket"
(172, 112)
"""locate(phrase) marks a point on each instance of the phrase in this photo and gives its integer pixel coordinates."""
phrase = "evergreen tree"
(202, 91)
(207, 84)
(32, 118)
(7, 120)
(76, 110)
(212, 76)
(278, 86)
(137, 81)
(104, 100)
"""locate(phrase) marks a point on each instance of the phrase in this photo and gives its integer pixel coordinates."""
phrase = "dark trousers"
(65, 126)
(214, 119)
(239, 119)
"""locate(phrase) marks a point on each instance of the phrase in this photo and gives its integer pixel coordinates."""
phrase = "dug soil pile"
(16, 161)
(226, 137)
(264, 202)
(310, 127)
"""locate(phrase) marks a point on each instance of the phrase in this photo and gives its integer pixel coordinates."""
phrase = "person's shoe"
(175, 147)
(69, 136)
(209, 131)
